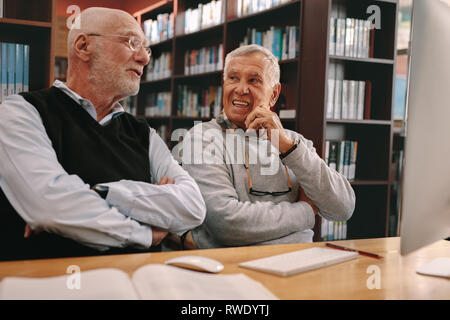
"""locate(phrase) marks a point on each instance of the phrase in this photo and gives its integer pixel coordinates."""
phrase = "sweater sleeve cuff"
(293, 159)
(310, 217)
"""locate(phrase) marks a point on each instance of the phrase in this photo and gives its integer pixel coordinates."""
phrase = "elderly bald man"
(77, 173)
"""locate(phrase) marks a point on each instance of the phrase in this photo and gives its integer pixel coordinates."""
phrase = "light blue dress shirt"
(50, 199)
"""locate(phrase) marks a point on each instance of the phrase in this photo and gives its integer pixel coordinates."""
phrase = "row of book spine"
(350, 37)
(341, 155)
(347, 99)
(160, 67)
(333, 230)
(204, 16)
(129, 105)
(245, 7)
(160, 29)
(206, 59)
(158, 104)
(281, 41)
(14, 68)
(199, 102)
(163, 132)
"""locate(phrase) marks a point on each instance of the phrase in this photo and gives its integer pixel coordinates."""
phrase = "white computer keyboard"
(287, 264)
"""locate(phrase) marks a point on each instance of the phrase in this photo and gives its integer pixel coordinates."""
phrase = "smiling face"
(247, 85)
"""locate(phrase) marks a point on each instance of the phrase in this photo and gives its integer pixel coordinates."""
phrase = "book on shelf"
(206, 59)
(195, 101)
(341, 156)
(160, 68)
(346, 99)
(160, 29)
(150, 282)
(281, 41)
(129, 105)
(349, 37)
(204, 16)
(158, 104)
(245, 7)
(163, 132)
(11, 66)
(3, 71)
(1, 10)
(14, 72)
(333, 230)
(367, 100)
(60, 70)
(19, 68)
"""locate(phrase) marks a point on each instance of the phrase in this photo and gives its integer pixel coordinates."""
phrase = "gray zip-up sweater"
(215, 158)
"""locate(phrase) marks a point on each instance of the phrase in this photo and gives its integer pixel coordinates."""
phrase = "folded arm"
(46, 196)
(176, 207)
(234, 222)
(328, 190)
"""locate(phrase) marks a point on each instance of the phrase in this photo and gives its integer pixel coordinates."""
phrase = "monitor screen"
(425, 204)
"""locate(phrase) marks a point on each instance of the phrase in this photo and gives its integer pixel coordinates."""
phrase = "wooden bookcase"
(228, 33)
(374, 135)
(304, 88)
(32, 23)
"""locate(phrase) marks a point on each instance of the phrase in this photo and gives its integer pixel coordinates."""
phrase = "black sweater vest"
(84, 148)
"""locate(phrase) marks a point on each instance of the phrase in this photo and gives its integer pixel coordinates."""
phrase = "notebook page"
(163, 282)
(112, 284)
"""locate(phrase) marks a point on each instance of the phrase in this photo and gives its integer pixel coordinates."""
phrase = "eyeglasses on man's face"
(134, 42)
(266, 193)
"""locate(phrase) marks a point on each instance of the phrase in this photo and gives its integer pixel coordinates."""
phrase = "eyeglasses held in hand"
(133, 42)
(265, 193)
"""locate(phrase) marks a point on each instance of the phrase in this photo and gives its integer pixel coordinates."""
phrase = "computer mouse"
(197, 263)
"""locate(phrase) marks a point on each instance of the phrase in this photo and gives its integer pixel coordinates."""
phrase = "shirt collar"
(116, 110)
(224, 122)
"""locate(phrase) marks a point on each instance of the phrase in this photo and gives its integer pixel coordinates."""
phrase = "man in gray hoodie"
(262, 184)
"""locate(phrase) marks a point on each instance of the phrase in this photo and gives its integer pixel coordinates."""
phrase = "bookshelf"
(304, 85)
(32, 23)
(228, 32)
(374, 132)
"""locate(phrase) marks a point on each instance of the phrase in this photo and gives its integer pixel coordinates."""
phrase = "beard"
(109, 77)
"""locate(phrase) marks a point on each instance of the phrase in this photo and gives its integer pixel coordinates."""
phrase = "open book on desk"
(153, 281)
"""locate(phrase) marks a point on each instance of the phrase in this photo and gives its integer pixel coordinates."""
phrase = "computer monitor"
(425, 203)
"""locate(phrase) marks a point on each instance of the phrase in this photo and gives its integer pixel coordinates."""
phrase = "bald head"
(102, 21)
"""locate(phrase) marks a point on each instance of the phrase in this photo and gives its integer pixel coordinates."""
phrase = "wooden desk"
(347, 280)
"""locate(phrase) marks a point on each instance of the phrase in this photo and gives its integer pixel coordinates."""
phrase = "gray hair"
(274, 67)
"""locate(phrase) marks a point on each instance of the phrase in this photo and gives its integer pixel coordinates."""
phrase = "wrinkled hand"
(263, 118)
(158, 235)
(303, 197)
(166, 180)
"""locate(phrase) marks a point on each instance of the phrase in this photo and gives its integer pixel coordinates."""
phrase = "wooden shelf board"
(159, 5)
(197, 75)
(145, 82)
(22, 22)
(369, 182)
(198, 32)
(288, 61)
(161, 43)
(181, 118)
(364, 60)
(364, 122)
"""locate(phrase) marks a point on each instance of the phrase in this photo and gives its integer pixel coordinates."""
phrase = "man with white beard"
(78, 175)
